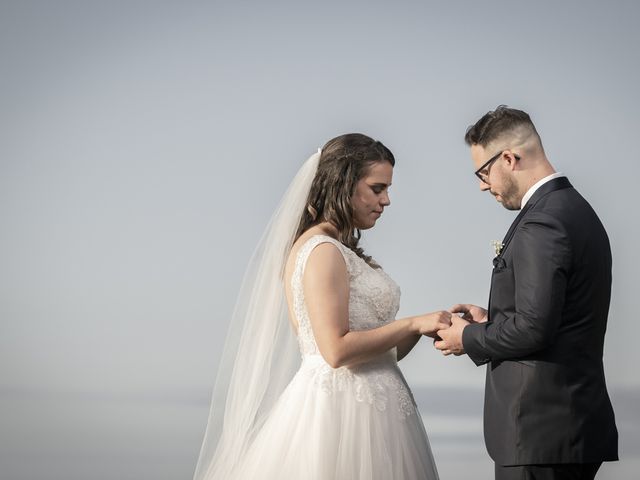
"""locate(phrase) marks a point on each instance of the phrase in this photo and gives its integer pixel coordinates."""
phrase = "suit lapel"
(551, 186)
(512, 228)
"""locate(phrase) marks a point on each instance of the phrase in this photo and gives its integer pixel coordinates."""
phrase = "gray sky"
(144, 145)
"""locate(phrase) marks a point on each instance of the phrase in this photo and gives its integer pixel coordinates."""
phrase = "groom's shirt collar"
(537, 185)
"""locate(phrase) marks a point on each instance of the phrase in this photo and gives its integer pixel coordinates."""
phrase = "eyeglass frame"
(485, 177)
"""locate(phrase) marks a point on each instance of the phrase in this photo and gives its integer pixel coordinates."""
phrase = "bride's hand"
(429, 323)
(471, 313)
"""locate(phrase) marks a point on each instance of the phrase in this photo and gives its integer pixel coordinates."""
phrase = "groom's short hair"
(498, 123)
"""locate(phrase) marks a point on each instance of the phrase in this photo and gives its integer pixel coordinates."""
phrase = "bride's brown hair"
(344, 160)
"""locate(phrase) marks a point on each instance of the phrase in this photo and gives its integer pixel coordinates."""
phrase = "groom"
(547, 414)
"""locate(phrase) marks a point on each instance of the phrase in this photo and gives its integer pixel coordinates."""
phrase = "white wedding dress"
(348, 423)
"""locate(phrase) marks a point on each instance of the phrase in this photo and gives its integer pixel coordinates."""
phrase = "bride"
(337, 408)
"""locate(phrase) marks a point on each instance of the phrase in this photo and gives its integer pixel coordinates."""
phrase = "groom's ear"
(511, 159)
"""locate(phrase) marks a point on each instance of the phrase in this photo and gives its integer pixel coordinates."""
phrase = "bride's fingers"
(459, 308)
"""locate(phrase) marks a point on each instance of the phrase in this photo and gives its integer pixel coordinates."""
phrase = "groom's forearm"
(474, 344)
(508, 338)
(540, 267)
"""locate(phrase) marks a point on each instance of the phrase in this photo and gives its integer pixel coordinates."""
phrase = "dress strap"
(313, 242)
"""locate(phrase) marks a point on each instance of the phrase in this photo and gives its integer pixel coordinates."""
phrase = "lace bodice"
(374, 298)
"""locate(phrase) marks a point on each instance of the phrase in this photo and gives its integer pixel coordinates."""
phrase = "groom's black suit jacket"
(545, 398)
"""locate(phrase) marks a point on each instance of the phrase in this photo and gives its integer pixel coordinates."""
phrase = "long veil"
(260, 353)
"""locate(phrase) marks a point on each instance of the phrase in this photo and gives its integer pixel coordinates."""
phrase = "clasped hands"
(445, 327)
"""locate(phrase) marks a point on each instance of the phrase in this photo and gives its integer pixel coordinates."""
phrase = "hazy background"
(144, 145)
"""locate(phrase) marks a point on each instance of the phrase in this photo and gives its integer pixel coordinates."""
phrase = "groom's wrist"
(469, 342)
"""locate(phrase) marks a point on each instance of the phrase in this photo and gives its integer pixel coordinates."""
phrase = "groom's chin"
(509, 206)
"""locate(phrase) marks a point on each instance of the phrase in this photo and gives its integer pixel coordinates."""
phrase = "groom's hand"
(471, 313)
(451, 338)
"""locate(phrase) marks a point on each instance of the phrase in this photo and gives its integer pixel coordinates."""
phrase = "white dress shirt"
(537, 185)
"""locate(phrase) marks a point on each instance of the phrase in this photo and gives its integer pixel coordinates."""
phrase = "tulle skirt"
(356, 423)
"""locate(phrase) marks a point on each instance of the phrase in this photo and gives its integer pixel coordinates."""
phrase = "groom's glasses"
(483, 172)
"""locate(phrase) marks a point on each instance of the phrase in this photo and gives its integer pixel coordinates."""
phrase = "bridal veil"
(260, 354)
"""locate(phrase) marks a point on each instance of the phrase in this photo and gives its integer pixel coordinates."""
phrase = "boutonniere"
(497, 246)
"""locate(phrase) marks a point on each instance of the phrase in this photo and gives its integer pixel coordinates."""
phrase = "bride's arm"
(406, 345)
(326, 292)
